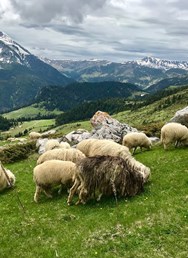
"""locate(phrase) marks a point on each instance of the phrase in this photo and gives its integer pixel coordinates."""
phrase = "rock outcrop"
(104, 127)
(181, 117)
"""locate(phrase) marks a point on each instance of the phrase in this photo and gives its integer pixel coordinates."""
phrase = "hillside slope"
(78, 93)
(23, 74)
(151, 117)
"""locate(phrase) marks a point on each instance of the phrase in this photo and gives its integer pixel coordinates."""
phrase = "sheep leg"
(37, 193)
(134, 150)
(72, 191)
(47, 192)
(60, 189)
(82, 196)
(99, 197)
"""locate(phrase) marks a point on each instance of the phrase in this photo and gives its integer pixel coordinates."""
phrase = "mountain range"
(23, 76)
(144, 72)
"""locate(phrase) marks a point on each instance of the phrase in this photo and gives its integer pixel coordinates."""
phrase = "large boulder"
(104, 127)
(181, 116)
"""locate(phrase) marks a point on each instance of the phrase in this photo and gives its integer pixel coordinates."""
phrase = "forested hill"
(174, 99)
(77, 93)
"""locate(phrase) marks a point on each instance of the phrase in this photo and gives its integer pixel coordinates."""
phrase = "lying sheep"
(34, 135)
(174, 133)
(136, 139)
(54, 144)
(61, 154)
(106, 175)
(7, 178)
(53, 173)
(93, 147)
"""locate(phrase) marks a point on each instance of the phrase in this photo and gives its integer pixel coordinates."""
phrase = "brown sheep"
(106, 175)
(94, 147)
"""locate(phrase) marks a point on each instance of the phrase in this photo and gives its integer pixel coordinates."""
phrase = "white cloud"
(110, 29)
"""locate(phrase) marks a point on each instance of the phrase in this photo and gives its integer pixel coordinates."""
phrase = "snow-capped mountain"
(144, 72)
(162, 64)
(10, 51)
(22, 74)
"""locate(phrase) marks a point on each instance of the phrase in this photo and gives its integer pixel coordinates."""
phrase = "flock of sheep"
(95, 167)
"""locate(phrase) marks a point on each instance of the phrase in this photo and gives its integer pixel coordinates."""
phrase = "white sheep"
(174, 133)
(34, 135)
(51, 144)
(53, 173)
(136, 139)
(54, 143)
(61, 154)
(65, 145)
(7, 178)
(93, 147)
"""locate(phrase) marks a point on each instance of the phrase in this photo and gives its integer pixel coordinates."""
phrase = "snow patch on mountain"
(162, 64)
(10, 51)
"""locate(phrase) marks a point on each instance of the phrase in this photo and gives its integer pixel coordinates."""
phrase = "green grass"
(29, 112)
(152, 224)
(148, 114)
(34, 125)
(67, 128)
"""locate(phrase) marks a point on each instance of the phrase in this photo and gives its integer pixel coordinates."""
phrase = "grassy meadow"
(34, 125)
(152, 224)
(149, 118)
(29, 112)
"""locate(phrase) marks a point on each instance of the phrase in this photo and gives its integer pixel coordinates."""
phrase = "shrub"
(17, 152)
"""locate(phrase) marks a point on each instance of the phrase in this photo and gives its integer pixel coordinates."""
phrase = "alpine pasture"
(152, 224)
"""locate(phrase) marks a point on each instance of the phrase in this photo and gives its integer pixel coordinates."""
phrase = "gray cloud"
(44, 11)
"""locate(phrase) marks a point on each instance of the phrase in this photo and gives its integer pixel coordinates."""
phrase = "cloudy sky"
(116, 30)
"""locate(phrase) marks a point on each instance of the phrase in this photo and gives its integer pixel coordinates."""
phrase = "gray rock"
(77, 136)
(104, 127)
(40, 144)
(154, 139)
(181, 117)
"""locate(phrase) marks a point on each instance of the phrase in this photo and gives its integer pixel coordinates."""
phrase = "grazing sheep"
(93, 147)
(34, 135)
(136, 139)
(7, 178)
(174, 133)
(53, 173)
(54, 144)
(61, 154)
(65, 145)
(51, 144)
(106, 175)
